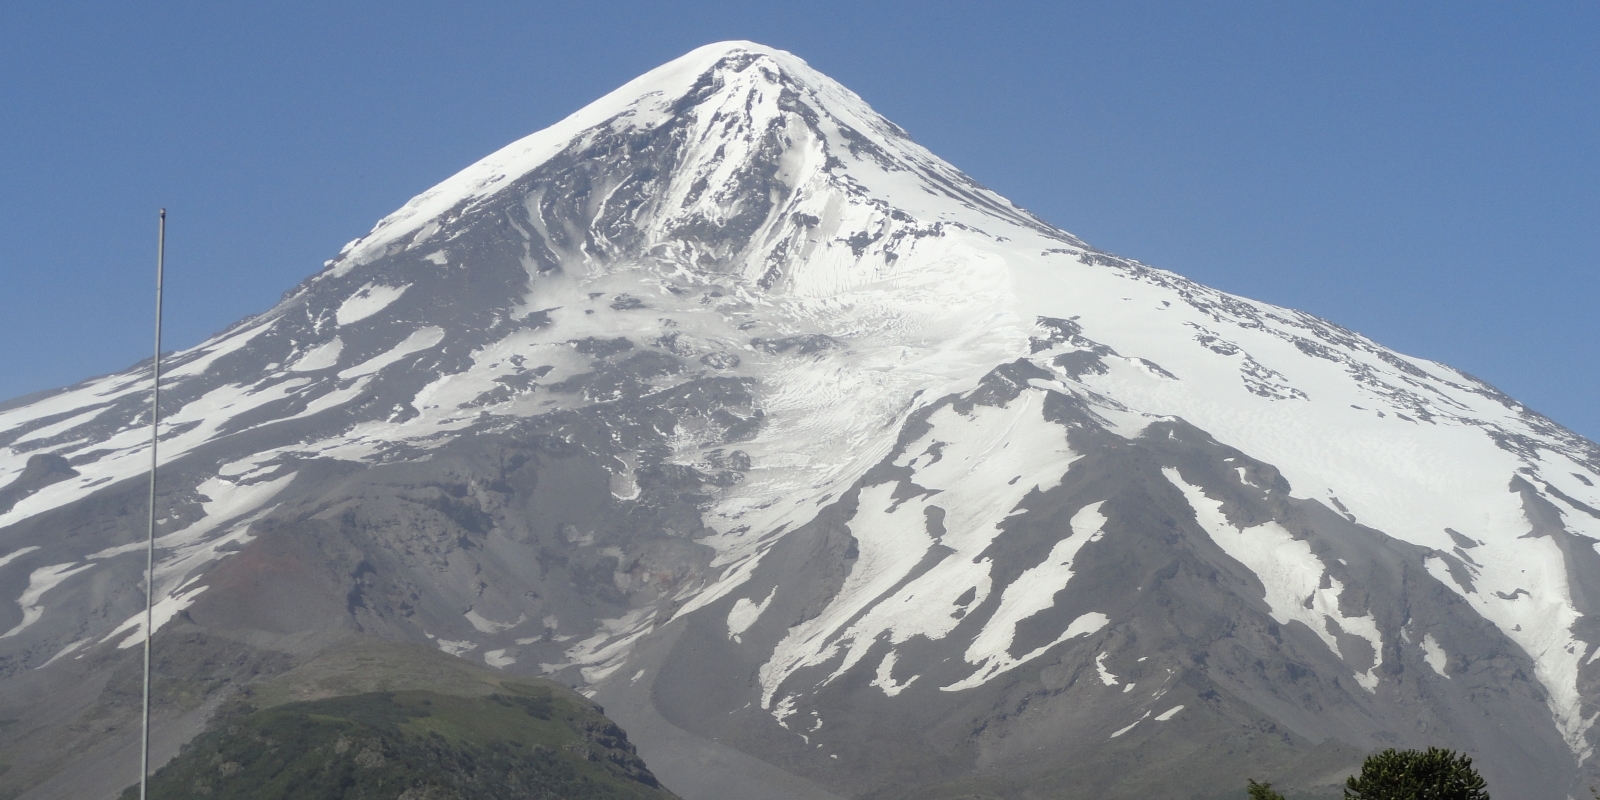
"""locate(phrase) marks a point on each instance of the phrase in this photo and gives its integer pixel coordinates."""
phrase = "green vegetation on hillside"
(526, 741)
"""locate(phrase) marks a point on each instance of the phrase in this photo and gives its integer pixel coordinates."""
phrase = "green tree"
(1262, 791)
(1416, 775)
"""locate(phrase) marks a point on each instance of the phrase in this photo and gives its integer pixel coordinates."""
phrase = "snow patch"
(885, 678)
(745, 613)
(320, 357)
(456, 647)
(1433, 654)
(367, 300)
(1105, 674)
(485, 625)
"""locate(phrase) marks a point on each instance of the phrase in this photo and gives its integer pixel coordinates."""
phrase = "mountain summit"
(829, 472)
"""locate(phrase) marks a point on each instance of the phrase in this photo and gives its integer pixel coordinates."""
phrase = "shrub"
(1262, 791)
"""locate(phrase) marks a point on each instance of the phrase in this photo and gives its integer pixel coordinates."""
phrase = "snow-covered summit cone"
(827, 470)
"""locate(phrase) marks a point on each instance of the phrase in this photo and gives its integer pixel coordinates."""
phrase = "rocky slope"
(830, 473)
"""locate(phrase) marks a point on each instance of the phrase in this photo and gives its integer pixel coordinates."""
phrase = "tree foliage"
(1262, 791)
(1433, 774)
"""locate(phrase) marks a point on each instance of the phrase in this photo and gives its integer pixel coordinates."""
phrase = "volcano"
(828, 472)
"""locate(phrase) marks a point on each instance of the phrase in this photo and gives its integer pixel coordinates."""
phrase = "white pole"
(150, 539)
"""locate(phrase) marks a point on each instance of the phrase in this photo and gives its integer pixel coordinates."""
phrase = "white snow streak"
(320, 357)
(1290, 572)
(12, 556)
(40, 581)
(367, 300)
(164, 610)
(485, 625)
(415, 343)
(1084, 625)
(1105, 674)
(1121, 731)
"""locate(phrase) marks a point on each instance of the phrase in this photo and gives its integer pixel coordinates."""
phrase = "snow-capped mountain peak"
(727, 402)
(742, 103)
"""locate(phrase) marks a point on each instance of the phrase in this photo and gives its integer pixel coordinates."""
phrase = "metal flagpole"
(150, 540)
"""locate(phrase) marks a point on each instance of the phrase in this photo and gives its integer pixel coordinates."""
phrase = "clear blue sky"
(1425, 173)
